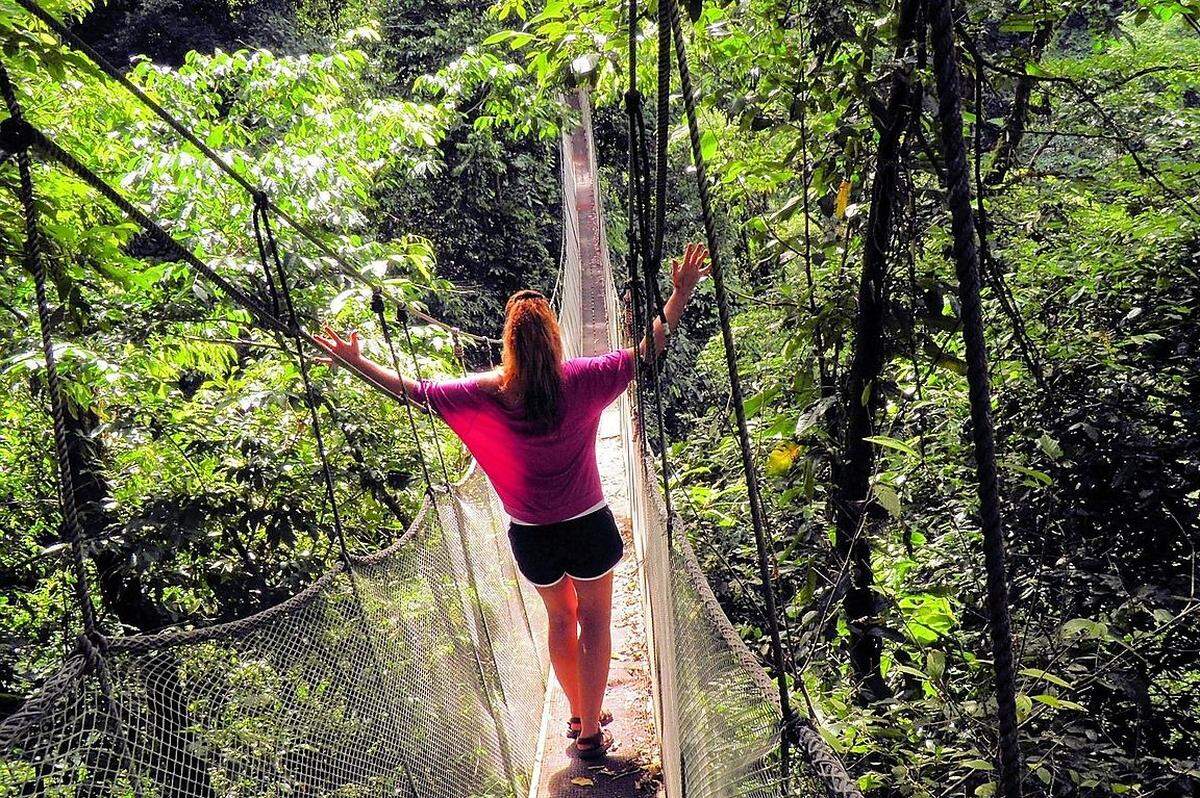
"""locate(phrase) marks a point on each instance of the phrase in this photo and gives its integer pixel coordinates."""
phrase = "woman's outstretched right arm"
(348, 352)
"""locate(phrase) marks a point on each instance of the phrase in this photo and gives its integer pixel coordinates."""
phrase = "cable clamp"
(261, 201)
(633, 100)
(377, 301)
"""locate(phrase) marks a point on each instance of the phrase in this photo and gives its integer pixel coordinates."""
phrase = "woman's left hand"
(344, 351)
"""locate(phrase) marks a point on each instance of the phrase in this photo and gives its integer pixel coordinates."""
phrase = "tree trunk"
(853, 472)
(1014, 127)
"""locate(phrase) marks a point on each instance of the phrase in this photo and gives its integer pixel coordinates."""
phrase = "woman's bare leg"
(561, 612)
(594, 611)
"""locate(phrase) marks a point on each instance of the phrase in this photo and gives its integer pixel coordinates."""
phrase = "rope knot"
(16, 135)
(789, 726)
(633, 100)
(376, 301)
(91, 646)
(261, 201)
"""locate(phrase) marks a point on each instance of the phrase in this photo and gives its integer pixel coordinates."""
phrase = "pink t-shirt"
(542, 477)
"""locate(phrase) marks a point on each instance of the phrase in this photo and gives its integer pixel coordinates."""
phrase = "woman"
(531, 426)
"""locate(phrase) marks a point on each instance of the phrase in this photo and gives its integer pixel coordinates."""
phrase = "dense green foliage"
(195, 457)
(1092, 234)
(420, 141)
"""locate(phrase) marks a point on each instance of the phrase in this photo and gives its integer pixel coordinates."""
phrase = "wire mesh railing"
(416, 671)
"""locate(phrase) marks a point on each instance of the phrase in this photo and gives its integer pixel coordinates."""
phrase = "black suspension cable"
(966, 262)
(380, 313)
(16, 137)
(662, 113)
(429, 412)
(635, 212)
(268, 250)
(662, 130)
(16, 140)
(757, 516)
(651, 301)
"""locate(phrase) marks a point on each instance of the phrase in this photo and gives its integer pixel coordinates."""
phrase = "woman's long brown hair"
(531, 365)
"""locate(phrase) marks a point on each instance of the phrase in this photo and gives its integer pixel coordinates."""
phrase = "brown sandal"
(594, 746)
(573, 723)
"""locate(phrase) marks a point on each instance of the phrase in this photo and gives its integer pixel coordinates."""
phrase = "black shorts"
(585, 548)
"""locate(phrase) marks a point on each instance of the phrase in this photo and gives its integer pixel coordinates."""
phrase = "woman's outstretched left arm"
(686, 274)
(348, 352)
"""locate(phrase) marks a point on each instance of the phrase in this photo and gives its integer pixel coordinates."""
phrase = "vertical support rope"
(34, 265)
(662, 113)
(268, 252)
(966, 262)
(402, 315)
(377, 308)
(480, 671)
(754, 495)
(635, 216)
(91, 645)
(653, 255)
(472, 582)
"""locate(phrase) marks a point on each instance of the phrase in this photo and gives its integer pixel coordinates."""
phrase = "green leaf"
(501, 36)
(1045, 676)
(1036, 476)
(1050, 446)
(892, 443)
(708, 145)
(935, 663)
(1017, 23)
(1058, 703)
(887, 497)
(1084, 627)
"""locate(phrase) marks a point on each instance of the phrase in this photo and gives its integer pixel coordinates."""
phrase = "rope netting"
(415, 671)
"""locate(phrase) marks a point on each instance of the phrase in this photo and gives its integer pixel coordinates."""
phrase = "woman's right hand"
(342, 351)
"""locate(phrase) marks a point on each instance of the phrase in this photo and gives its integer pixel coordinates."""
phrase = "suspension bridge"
(419, 670)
